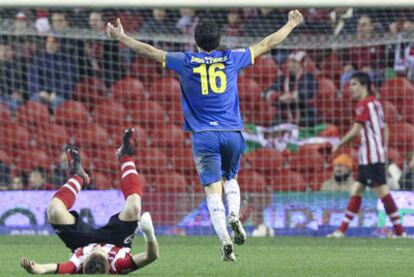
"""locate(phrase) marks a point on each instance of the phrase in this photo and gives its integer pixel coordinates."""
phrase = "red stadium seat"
(306, 160)
(72, 114)
(101, 181)
(53, 139)
(27, 160)
(289, 181)
(5, 158)
(251, 181)
(146, 70)
(182, 159)
(264, 71)
(266, 160)
(105, 161)
(5, 115)
(127, 91)
(175, 114)
(395, 156)
(34, 115)
(326, 87)
(91, 136)
(331, 68)
(167, 136)
(165, 91)
(401, 137)
(109, 114)
(147, 113)
(90, 91)
(397, 90)
(249, 90)
(170, 182)
(14, 138)
(407, 111)
(390, 112)
(130, 21)
(152, 160)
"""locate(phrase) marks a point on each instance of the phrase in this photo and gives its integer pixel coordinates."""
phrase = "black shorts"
(117, 232)
(372, 175)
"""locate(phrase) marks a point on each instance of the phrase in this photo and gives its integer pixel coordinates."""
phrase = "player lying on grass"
(211, 112)
(105, 250)
(370, 125)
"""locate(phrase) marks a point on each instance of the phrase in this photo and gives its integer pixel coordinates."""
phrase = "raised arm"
(271, 41)
(35, 268)
(117, 33)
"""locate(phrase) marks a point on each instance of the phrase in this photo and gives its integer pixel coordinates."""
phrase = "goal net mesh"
(62, 81)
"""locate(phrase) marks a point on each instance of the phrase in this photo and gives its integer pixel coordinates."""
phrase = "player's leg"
(390, 207)
(231, 155)
(130, 180)
(207, 158)
(352, 210)
(63, 200)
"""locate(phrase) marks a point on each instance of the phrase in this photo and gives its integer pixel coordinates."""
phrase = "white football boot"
(227, 252)
(336, 235)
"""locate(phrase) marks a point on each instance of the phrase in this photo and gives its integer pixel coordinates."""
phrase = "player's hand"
(115, 32)
(29, 266)
(335, 149)
(295, 17)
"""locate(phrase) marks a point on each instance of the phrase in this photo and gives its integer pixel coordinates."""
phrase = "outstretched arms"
(271, 41)
(117, 33)
(35, 268)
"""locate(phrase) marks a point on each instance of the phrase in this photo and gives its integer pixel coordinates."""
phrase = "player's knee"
(132, 211)
(54, 212)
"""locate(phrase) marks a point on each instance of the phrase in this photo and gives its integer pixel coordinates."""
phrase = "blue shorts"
(217, 155)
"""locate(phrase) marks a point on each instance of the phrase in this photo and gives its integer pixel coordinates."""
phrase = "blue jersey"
(209, 93)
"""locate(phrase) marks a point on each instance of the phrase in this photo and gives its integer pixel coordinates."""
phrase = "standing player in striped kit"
(370, 125)
(105, 250)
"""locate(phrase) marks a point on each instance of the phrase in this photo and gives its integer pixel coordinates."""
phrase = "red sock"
(392, 212)
(351, 211)
(130, 180)
(68, 192)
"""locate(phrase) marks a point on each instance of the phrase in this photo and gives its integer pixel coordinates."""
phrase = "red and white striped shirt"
(369, 113)
(119, 260)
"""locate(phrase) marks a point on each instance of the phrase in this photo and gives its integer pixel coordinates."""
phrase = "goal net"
(62, 81)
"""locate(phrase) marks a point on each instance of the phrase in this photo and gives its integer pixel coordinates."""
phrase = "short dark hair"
(96, 264)
(364, 79)
(207, 35)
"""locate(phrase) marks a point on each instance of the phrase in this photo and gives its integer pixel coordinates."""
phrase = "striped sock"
(68, 192)
(392, 212)
(130, 179)
(351, 211)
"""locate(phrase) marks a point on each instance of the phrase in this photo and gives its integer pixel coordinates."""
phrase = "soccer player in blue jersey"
(211, 112)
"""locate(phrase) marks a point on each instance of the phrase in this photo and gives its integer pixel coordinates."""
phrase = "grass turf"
(279, 256)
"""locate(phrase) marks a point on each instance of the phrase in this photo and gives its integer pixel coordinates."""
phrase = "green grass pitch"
(279, 256)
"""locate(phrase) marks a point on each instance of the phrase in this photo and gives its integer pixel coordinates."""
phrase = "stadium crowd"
(62, 81)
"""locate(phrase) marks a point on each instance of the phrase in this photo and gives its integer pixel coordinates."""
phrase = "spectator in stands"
(12, 80)
(342, 20)
(18, 182)
(38, 180)
(42, 23)
(368, 59)
(187, 22)
(4, 176)
(291, 92)
(264, 22)
(158, 24)
(22, 25)
(233, 30)
(99, 58)
(404, 59)
(407, 178)
(96, 22)
(51, 75)
(342, 178)
(60, 23)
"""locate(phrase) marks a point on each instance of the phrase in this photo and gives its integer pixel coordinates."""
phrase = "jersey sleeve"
(174, 61)
(66, 268)
(125, 265)
(361, 113)
(242, 57)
